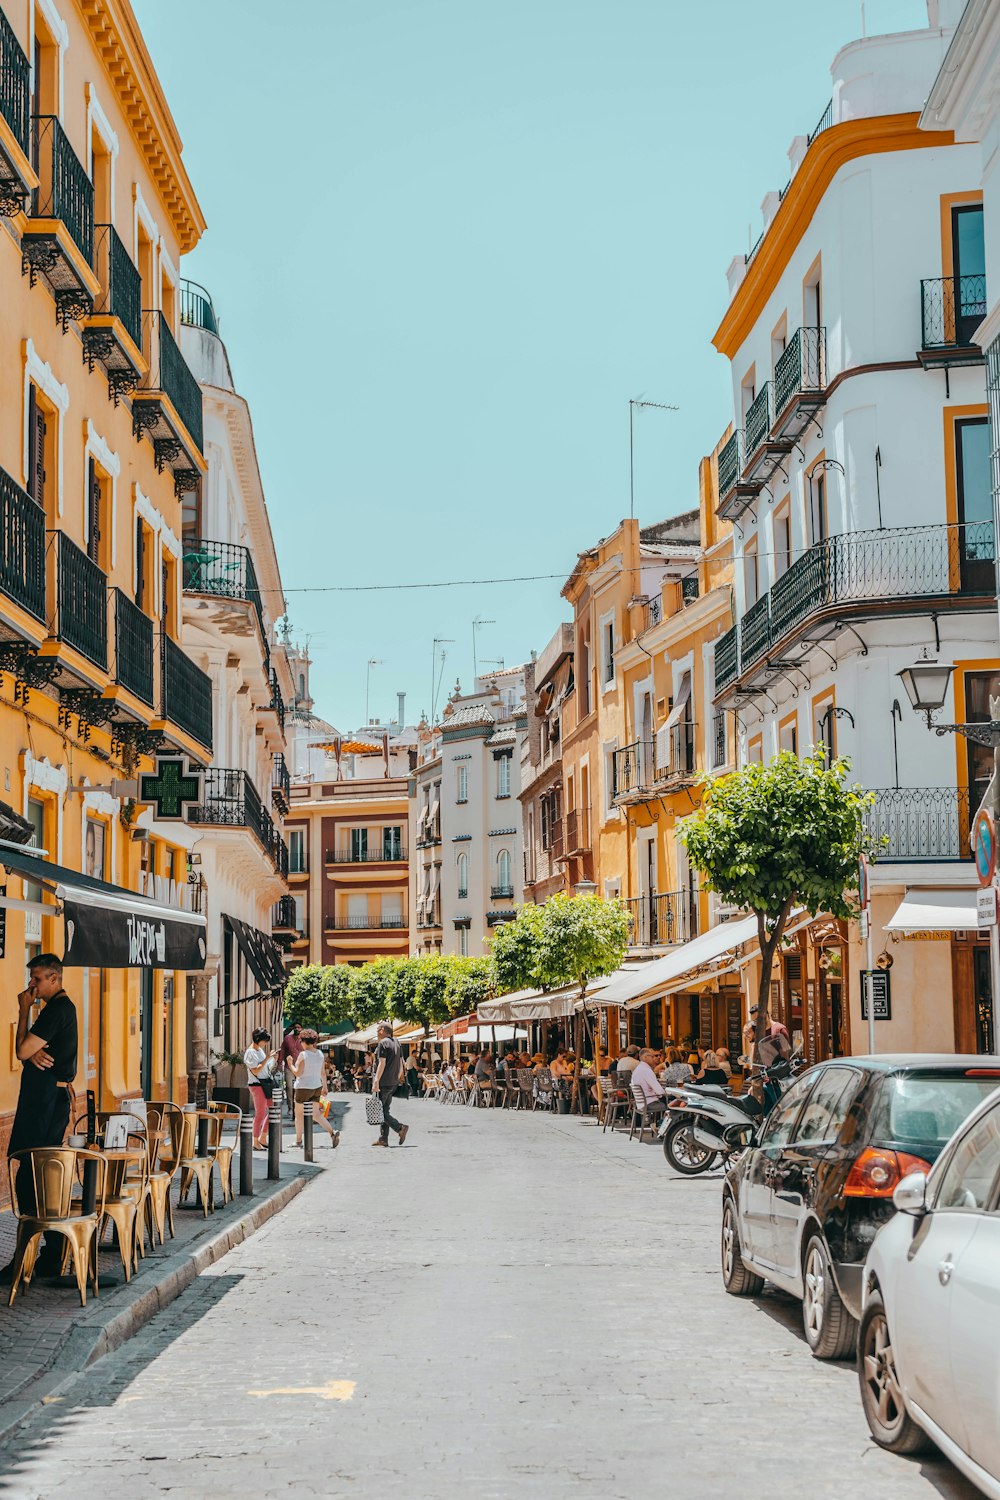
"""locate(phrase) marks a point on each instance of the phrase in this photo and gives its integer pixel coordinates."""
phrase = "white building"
(232, 601)
(858, 480)
(465, 818)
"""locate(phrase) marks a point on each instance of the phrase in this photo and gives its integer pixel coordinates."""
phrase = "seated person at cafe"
(646, 1087)
(484, 1068)
(628, 1060)
(560, 1066)
(711, 1071)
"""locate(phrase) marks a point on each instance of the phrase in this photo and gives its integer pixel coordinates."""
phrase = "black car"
(802, 1206)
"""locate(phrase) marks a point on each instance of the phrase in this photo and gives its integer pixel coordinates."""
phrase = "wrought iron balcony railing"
(281, 783)
(83, 602)
(14, 86)
(801, 368)
(556, 839)
(277, 701)
(758, 424)
(727, 665)
(223, 569)
(577, 830)
(754, 634)
(196, 307)
(660, 918)
(186, 693)
(65, 192)
(501, 893)
(279, 854)
(730, 464)
(133, 647)
(232, 801)
(391, 920)
(170, 376)
(824, 123)
(22, 548)
(680, 757)
(951, 309)
(121, 281)
(284, 917)
(633, 769)
(393, 853)
(920, 823)
(720, 751)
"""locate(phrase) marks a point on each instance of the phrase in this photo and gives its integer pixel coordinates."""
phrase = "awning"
(108, 927)
(661, 976)
(261, 952)
(935, 911)
(360, 1041)
(478, 1034)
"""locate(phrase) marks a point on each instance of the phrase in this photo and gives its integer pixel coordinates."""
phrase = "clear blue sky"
(448, 240)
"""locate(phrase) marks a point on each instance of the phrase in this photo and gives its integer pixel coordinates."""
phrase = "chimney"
(401, 710)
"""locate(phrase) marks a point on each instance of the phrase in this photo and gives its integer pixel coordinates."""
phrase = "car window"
(924, 1109)
(824, 1115)
(781, 1120)
(968, 1178)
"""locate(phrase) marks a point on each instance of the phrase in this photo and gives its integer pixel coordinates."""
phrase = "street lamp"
(585, 888)
(926, 684)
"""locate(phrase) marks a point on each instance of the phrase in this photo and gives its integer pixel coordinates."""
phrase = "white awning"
(482, 1034)
(653, 979)
(935, 911)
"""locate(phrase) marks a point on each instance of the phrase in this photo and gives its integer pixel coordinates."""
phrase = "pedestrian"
(387, 1078)
(774, 1045)
(291, 1046)
(413, 1076)
(307, 1071)
(260, 1064)
(48, 1050)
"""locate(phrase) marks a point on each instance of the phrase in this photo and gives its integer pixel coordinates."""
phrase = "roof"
(503, 737)
(464, 718)
(683, 528)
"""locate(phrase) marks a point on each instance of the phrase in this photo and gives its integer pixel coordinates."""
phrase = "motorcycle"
(706, 1122)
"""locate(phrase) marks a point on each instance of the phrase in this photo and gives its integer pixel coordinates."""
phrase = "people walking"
(307, 1081)
(386, 1080)
(260, 1064)
(291, 1046)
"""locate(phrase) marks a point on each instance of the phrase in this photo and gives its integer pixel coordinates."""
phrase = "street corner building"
(110, 490)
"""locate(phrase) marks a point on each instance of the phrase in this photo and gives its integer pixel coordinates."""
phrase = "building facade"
(857, 480)
(548, 681)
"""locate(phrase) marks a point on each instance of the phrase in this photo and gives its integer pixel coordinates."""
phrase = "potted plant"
(230, 1071)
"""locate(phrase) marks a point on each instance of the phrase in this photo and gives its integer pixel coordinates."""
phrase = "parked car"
(927, 1348)
(802, 1206)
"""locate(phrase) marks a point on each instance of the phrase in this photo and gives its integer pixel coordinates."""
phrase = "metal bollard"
(246, 1155)
(307, 1131)
(274, 1137)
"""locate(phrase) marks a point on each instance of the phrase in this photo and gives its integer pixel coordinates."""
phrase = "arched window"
(463, 876)
(504, 887)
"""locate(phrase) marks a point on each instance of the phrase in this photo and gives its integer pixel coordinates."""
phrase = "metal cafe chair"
(125, 1203)
(54, 1171)
(195, 1168)
(229, 1114)
(617, 1104)
(645, 1114)
(164, 1134)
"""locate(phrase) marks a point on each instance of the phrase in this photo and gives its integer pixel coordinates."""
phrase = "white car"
(929, 1340)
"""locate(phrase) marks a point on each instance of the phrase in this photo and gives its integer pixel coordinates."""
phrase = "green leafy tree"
(304, 998)
(405, 1000)
(370, 990)
(338, 993)
(779, 836)
(432, 988)
(515, 949)
(470, 982)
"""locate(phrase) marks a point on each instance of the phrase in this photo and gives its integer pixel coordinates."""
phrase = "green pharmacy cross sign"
(171, 786)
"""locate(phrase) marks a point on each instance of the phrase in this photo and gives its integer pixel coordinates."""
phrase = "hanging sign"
(171, 787)
(875, 982)
(986, 906)
(984, 846)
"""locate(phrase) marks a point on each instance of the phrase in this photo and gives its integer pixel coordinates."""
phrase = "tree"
(470, 981)
(338, 993)
(304, 998)
(415, 994)
(515, 949)
(370, 990)
(777, 836)
(432, 988)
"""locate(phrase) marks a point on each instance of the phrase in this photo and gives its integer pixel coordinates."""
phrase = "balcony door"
(359, 845)
(968, 251)
(975, 505)
(392, 843)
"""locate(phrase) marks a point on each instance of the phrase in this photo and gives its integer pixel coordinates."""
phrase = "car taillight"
(877, 1172)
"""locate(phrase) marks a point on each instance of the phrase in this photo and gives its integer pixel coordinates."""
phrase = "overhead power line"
(445, 583)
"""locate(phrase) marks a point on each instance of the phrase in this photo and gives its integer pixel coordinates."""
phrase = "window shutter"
(140, 564)
(93, 512)
(36, 448)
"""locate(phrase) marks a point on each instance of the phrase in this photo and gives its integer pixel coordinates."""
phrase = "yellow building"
(100, 434)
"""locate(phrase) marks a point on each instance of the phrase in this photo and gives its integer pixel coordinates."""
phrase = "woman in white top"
(260, 1065)
(309, 1069)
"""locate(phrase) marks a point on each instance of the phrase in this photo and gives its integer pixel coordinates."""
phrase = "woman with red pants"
(260, 1065)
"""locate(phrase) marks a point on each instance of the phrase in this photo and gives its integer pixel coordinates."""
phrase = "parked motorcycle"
(706, 1122)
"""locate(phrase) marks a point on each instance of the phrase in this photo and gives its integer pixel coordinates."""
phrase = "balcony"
(167, 405)
(578, 830)
(556, 839)
(951, 309)
(186, 694)
(384, 922)
(501, 893)
(279, 854)
(22, 548)
(133, 632)
(661, 918)
(58, 239)
(763, 448)
(633, 772)
(680, 767)
(920, 823)
(428, 917)
(112, 333)
(82, 591)
(232, 801)
(222, 570)
(391, 854)
(799, 382)
(860, 575)
(17, 179)
(277, 702)
(284, 918)
(720, 749)
(281, 784)
(197, 309)
(727, 661)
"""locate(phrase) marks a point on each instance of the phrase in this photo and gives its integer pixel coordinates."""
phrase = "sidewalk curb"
(91, 1341)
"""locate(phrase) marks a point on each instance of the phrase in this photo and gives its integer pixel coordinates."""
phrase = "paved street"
(514, 1304)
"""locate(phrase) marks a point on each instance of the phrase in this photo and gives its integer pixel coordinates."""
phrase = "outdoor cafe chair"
(525, 1088)
(54, 1171)
(645, 1114)
(230, 1114)
(125, 1203)
(164, 1121)
(617, 1103)
(544, 1090)
(195, 1168)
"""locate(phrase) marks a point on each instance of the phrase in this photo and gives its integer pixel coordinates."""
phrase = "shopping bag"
(373, 1109)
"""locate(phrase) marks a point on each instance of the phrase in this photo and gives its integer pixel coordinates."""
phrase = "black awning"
(261, 952)
(109, 927)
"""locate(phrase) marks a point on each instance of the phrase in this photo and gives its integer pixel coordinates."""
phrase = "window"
(504, 886)
(608, 652)
(144, 562)
(191, 532)
(503, 775)
(748, 392)
(751, 574)
(788, 736)
(392, 842)
(545, 819)
(359, 845)
(463, 941)
(297, 862)
(812, 298)
(168, 595)
(299, 902)
(818, 529)
(463, 877)
(968, 253)
(32, 892)
(583, 653)
(781, 1121)
(357, 910)
(782, 543)
(975, 504)
(100, 175)
(42, 428)
(970, 1174)
(462, 791)
(392, 909)
(979, 688)
(825, 726)
(96, 506)
(826, 1112)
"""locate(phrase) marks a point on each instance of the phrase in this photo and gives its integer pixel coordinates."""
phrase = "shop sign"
(986, 906)
(875, 982)
(926, 935)
(171, 788)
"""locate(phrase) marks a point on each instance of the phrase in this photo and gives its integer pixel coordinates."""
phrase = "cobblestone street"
(516, 1304)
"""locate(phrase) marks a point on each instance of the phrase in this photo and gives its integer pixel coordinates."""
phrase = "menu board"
(812, 1023)
(705, 1020)
(734, 1027)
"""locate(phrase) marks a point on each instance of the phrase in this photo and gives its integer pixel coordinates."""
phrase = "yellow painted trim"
(953, 415)
(792, 719)
(828, 153)
(828, 695)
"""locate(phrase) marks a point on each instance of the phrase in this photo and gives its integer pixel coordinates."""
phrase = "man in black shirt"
(47, 1051)
(388, 1077)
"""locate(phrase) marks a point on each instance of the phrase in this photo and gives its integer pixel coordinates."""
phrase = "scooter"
(706, 1122)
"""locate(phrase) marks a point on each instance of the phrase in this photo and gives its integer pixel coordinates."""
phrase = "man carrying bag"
(387, 1079)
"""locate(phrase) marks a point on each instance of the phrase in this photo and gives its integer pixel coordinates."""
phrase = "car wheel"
(831, 1332)
(881, 1395)
(684, 1153)
(738, 1281)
